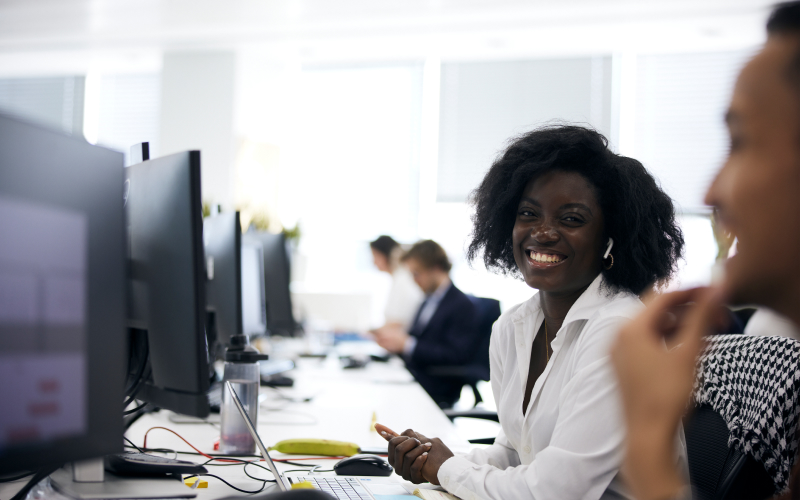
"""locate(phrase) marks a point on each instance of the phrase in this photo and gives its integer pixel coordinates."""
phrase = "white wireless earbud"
(608, 250)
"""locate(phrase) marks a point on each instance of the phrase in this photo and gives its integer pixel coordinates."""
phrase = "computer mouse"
(363, 465)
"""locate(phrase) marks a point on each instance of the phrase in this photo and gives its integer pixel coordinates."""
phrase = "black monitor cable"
(139, 348)
(15, 477)
(38, 476)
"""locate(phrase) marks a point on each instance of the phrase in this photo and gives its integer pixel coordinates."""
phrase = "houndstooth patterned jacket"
(754, 383)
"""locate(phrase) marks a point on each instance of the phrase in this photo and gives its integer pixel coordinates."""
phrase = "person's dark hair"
(785, 20)
(429, 254)
(638, 215)
(384, 244)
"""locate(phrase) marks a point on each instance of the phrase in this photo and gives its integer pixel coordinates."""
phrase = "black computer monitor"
(167, 300)
(280, 319)
(62, 298)
(222, 236)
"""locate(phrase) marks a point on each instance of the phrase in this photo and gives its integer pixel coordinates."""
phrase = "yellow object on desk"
(374, 421)
(302, 485)
(190, 482)
(325, 447)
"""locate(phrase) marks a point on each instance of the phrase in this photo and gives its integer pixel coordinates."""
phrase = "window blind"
(484, 104)
(53, 101)
(680, 133)
(129, 108)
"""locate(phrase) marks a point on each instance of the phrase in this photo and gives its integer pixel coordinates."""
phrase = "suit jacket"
(450, 338)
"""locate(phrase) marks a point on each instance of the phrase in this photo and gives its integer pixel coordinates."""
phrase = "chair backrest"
(488, 310)
(746, 392)
(717, 471)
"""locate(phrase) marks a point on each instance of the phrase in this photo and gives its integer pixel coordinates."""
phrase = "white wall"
(197, 109)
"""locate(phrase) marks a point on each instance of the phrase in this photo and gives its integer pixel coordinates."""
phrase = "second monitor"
(222, 238)
(167, 274)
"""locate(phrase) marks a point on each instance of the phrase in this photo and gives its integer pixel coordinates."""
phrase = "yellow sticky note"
(190, 482)
(302, 485)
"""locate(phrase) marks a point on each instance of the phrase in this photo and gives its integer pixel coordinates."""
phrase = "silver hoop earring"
(609, 266)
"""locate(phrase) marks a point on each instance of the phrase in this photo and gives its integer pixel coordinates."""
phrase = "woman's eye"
(573, 219)
(526, 213)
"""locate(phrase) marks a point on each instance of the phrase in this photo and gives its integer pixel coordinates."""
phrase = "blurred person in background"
(590, 230)
(756, 195)
(404, 295)
(444, 331)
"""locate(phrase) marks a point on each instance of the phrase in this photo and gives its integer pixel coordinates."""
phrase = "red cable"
(181, 437)
(144, 445)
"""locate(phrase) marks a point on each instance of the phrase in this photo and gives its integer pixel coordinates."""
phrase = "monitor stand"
(88, 480)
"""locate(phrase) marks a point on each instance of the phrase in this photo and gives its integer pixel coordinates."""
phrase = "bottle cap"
(240, 351)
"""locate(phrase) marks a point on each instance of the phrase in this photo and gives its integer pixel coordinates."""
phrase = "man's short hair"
(785, 20)
(429, 254)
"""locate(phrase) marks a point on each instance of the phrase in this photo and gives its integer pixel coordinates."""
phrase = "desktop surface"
(341, 407)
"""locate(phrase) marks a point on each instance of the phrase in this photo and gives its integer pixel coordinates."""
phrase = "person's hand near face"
(391, 337)
(656, 384)
(415, 457)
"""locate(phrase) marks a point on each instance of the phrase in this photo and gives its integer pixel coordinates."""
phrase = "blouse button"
(526, 449)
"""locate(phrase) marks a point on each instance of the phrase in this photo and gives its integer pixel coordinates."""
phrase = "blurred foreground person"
(590, 230)
(404, 296)
(757, 198)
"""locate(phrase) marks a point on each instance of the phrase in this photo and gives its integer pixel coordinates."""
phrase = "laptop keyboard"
(343, 488)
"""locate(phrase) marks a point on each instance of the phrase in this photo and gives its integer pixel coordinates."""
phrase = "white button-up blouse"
(569, 443)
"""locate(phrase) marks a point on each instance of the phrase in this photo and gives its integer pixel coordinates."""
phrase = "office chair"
(741, 438)
(716, 471)
(488, 310)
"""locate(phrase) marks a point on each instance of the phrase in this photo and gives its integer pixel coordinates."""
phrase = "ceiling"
(371, 30)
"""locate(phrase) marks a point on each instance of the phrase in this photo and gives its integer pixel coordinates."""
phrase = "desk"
(341, 408)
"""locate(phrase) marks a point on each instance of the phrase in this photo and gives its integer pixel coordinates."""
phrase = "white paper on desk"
(384, 486)
(387, 489)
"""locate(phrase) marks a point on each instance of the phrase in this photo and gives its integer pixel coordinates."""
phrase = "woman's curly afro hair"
(638, 215)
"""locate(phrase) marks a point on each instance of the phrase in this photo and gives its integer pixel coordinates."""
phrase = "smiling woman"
(590, 230)
(636, 213)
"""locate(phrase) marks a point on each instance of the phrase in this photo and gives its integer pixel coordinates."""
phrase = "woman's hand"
(413, 456)
(656, 384)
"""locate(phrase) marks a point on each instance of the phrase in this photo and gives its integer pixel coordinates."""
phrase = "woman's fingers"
(422, 438)
(392, 446)
(385, 432)
(410, 458)
(403, 446)
(416, 468)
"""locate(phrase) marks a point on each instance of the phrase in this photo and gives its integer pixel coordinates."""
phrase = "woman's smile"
(538, 259)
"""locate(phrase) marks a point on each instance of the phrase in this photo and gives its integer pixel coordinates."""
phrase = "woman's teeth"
(544, 257)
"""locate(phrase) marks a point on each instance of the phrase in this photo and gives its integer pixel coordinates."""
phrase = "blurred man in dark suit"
(445, 328)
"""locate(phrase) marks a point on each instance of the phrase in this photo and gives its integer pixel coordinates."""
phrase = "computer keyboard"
(343, 488)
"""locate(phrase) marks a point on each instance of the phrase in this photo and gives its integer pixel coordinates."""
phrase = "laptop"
(342, 487)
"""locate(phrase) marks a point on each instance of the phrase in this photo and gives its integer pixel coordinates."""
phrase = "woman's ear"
(608, 249)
